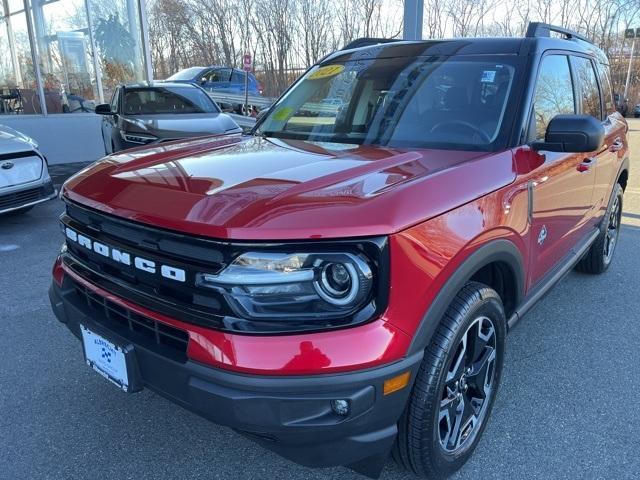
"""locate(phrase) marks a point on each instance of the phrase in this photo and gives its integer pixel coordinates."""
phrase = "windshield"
(436, 102)
(174, 100)
(186, 74)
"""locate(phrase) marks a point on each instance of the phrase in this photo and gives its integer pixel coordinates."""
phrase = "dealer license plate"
(106, 358)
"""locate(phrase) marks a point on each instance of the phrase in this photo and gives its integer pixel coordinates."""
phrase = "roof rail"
(367, 41)
(539, 29)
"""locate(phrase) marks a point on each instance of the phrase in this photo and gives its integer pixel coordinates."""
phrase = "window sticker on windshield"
(326, 71)
(488, 76)
(282, 114)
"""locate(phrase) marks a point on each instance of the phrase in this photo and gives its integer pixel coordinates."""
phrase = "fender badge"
(543, 235)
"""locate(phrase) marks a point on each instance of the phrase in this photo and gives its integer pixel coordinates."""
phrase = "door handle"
(586, 164)
(617, 145)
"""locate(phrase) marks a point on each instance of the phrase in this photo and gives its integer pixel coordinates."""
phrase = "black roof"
(158, 84)
(467, 46)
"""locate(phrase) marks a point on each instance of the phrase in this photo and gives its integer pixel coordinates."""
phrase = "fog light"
(341, 407)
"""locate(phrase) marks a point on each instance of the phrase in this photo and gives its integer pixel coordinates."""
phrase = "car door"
(237, 82)
(561, 191)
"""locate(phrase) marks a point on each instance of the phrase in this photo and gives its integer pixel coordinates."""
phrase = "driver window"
(220, 75)
(212, 76)
(554, 92)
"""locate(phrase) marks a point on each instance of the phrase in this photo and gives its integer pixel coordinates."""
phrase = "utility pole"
(412, 27)
(630, 33)
(246, 65)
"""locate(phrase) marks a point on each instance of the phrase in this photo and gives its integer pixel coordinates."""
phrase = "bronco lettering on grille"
(119, 256)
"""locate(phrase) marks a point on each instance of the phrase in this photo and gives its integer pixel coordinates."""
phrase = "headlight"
(140, 138)
(273, 285)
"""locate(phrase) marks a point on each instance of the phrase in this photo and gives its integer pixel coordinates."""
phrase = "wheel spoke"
(454, 435)
(448, 417)
(458, 364)
(481, 375)
(468, 419)
(479, 342)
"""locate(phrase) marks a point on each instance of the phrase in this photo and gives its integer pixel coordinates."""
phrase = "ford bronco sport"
(339, 285)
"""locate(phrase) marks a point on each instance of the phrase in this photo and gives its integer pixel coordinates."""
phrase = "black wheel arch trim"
(500, 250)
(624, 167)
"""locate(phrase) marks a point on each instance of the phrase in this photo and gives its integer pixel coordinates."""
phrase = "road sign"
(246, 62)
(630, 33)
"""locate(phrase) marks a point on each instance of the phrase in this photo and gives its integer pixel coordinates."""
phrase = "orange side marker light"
(396, 383)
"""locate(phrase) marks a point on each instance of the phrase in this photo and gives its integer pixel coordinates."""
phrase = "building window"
(18, 86)
(84, 49)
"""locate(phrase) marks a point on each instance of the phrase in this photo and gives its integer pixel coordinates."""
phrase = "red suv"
(339, 285)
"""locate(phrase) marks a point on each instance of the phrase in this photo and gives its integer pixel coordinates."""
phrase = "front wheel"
(456, 385)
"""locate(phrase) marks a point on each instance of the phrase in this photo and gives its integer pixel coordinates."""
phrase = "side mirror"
(104, 109)
(572, 133)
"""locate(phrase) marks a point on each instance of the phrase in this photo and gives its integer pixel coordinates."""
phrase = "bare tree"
(287, 36)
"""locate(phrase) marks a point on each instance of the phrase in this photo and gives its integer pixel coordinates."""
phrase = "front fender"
(499, 250)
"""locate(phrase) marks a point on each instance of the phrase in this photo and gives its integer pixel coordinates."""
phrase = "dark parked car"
(223, 79)
(148, 113)
(340, 285)
(636, 111)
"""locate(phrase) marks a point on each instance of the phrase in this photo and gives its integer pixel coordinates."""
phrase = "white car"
(24, 177)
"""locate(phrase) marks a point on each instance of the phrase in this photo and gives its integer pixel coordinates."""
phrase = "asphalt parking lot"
(568, 405)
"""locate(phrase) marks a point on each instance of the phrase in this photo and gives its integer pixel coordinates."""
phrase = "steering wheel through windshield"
(450, 125)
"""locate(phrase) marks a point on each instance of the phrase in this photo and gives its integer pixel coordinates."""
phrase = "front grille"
(178, 299)
(17, 199)
(164, 339)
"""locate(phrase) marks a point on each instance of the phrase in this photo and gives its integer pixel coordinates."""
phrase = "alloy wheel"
(613, 228)
(469, 385)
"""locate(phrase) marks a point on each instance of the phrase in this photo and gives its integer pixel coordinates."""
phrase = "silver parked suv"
(24, 177)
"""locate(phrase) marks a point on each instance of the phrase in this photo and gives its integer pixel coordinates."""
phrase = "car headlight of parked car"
(140, 138)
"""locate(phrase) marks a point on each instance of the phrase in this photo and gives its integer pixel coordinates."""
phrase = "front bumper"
(289, 415)
(32, 194)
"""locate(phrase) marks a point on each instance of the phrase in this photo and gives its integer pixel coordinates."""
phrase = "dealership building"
(59, 59)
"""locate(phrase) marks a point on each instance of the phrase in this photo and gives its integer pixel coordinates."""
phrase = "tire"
(600, 254)
(421, 446)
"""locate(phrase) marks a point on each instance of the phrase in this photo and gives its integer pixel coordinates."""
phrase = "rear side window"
(588, 87)
(237, 77)
(554, 92)
(605, 87)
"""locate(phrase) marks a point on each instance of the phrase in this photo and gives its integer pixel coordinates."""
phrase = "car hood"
(251, 188)
(177, 126)
(12, 141)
